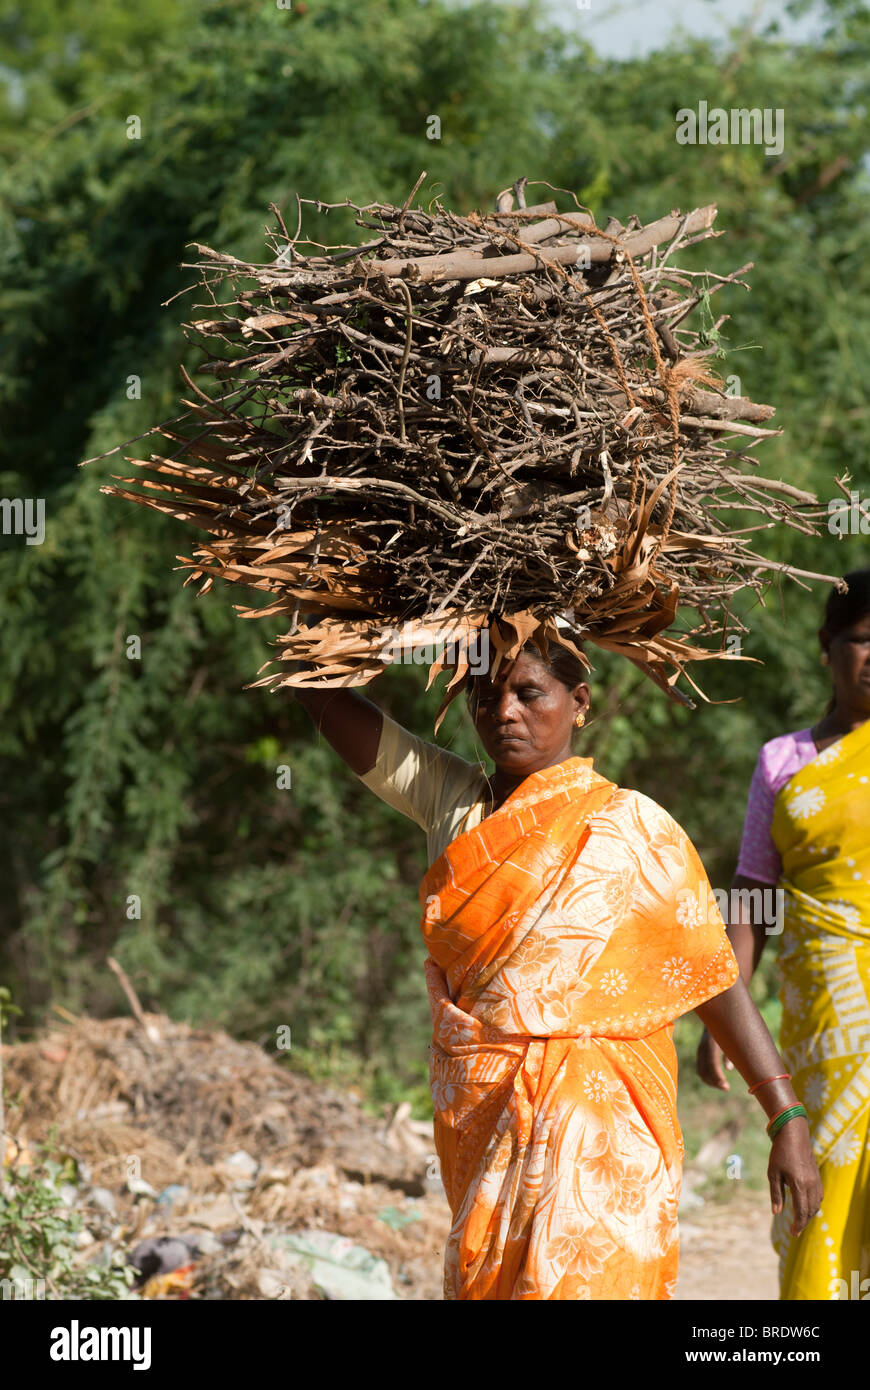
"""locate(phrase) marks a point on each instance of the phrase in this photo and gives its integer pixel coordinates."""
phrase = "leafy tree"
(140, 793)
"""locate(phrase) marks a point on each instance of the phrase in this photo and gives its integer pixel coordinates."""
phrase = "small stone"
(272, 1283)
(241, 1165)
(205, 1243)
(103, 1200)
(140, 1188)
(172, 1195)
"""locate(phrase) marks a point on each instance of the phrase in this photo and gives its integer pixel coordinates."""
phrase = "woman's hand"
(793, 1166)
(709, 1063)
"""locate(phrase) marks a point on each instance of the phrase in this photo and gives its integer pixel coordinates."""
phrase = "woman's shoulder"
(785, 743)
(420, 779)
(783, 755)
(397, 736)
(410, 759)
(631, 809)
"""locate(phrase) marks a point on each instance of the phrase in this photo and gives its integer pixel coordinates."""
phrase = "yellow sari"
(821, 828)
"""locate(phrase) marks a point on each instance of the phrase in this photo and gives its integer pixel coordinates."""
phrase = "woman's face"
(525, 717)
(849, 651)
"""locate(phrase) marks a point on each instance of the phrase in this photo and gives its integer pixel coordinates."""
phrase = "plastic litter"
(396, 1219)
(340, 1269)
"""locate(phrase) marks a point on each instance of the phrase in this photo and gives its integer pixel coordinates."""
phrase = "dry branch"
(496, 420)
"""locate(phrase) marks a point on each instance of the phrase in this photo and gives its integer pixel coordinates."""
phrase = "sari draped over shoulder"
(821, 828)
(566, 933)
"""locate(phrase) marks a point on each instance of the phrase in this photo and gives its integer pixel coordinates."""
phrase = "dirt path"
(725, 1251)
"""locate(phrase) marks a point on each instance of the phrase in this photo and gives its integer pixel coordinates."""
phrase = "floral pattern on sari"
(558, 962)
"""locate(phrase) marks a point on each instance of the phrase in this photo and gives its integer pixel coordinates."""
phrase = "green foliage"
(38, 1240)
(142, 810)
(7, 1008)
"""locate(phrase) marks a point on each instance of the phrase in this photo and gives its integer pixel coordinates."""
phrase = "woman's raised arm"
(347, 720)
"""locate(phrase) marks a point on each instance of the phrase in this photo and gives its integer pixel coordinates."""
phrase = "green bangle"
(778, 1121)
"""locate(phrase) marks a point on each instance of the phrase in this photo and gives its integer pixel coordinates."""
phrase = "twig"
(151, 1033)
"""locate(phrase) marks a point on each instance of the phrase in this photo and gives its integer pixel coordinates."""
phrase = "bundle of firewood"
(497, 422)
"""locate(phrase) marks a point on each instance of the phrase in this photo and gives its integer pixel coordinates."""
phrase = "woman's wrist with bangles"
(777, 1098)
(779, 1121)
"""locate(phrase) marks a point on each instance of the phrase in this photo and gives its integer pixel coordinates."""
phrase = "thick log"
(536, 210)
(719, 407)
(706, 402)
(707, 422)
(465, 265)
(553, 226)
(520, 357)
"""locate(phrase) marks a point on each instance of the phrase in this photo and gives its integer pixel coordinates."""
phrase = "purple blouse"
(778, 761)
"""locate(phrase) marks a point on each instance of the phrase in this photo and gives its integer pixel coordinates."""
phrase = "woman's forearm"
(347, 720)
(738, 1028)
(734, 1022)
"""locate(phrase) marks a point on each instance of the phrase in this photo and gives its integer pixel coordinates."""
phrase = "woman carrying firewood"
(569, 922)
(806, 832)
(482, 423)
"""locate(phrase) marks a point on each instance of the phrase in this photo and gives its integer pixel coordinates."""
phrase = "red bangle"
(785, 1076)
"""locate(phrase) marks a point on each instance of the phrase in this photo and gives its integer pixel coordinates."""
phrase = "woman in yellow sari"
(807, 831)
(568, 923)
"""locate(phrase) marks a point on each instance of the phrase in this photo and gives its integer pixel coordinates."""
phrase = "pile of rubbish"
(219, 1173)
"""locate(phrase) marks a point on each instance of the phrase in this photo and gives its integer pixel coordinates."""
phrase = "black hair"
(559, 661)
(843, 610)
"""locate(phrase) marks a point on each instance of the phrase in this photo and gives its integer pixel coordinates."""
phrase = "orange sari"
(566, 932)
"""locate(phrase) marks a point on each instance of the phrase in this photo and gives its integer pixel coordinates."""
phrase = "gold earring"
(825, 659)
(580, 720)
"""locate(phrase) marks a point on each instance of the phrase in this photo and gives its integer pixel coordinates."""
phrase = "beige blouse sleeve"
(419, 779)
